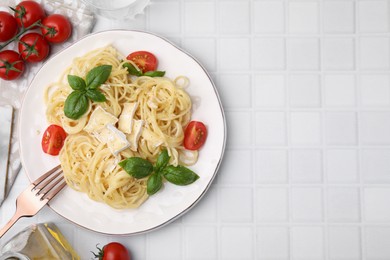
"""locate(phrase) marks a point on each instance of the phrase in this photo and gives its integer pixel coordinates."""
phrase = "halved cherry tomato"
(145, 60)
(33, 47)
(56, 28)
(53, 139)
(195, 135)
(28, 12)
(8, 26)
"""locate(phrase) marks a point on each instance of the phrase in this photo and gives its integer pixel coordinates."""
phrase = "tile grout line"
(255, 249)
(362, 249)
(324, 190)
(286, 74)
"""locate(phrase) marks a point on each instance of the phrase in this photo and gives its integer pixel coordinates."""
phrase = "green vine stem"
(20, 33)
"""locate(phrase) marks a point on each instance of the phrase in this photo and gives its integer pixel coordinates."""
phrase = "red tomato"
(113, 251)
(145, 60)
(28, 12)
(56, 28)
(11, 65)
(8, 26)
(33, 47)
(53, 139)
(195, 135)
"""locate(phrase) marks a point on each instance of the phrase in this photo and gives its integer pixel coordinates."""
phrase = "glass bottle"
(38, 242)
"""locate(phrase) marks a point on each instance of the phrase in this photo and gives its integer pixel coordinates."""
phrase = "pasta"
(161, 108)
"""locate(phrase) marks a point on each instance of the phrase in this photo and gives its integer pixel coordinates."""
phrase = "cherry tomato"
(145, 60)
(113, 251)
(8, 26)
(11, 65)
(195, 135)
(56, 28)
(33, 47)
(53, 139)
(28, 12)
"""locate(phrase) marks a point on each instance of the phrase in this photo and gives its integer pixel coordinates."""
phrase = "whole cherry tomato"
(56, 28)
(113, 251)
(8, 26)
(28, 12)
(33, 47)
(11, 65)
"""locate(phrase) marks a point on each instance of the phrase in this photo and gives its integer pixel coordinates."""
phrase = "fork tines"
(50, 183)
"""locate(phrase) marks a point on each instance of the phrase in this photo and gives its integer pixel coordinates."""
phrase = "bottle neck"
(14, 256)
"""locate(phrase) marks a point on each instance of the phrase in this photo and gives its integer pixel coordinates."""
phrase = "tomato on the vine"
(8, 26)
(113, 251)
(28, 13)
(195, 135)
(33, 47)
(56, 28)
(145, 60)
(53, 139)
(11, 65)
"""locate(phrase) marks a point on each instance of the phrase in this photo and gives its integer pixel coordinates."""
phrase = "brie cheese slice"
(115, 139)
(135, 134)
(125, 123)
(98, 120)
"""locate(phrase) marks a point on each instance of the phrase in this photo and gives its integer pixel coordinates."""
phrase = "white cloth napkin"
(11, 92)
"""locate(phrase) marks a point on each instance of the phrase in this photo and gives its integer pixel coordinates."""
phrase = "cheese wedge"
(115, 139)
(98, 120)
(125, 123)
(135, 134)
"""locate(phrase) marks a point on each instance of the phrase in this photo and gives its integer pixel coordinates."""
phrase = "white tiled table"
(305, 85)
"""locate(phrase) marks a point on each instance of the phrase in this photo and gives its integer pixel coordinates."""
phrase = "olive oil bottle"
(38, 242)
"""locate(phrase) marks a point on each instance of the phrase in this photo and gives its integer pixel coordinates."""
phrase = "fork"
(37, 195)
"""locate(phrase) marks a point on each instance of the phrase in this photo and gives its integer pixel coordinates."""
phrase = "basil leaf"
(95, 95)
(179, 175)
(76, 104)
(98, 76)
(132, 70)
(154, 183)
(162, 160)
(155, 73)
(137, 167)
(76, 83)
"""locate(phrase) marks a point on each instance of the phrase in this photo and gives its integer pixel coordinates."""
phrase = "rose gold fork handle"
(10, 223)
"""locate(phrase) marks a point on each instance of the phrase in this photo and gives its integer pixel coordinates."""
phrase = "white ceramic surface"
(170, 202)
(305, 87)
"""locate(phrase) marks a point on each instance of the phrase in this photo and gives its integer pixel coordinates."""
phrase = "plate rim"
(218, 164)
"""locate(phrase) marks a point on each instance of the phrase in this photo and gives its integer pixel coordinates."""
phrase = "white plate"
(168, 203)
